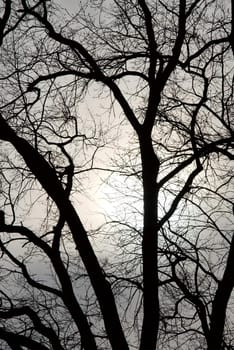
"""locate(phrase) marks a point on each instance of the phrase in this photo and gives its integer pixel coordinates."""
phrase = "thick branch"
(180, 195)
(219, 307)
(158, 83)
(26, 274)
(150, 324)
(46, 331)
(4, 19)
(49, 181)
(67, 294)
(232, 30)
(178, 45)
(95, 70)
(23, 341)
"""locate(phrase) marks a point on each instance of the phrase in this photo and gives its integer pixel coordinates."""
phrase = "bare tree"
(139, 95)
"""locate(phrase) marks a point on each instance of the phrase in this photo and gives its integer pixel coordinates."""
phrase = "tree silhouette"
(138, 95)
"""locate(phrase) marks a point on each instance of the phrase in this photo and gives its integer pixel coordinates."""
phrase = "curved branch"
(49, 181)
(39, 327)
(12, 339)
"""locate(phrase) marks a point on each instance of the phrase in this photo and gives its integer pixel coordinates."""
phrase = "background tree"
(139, 95)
